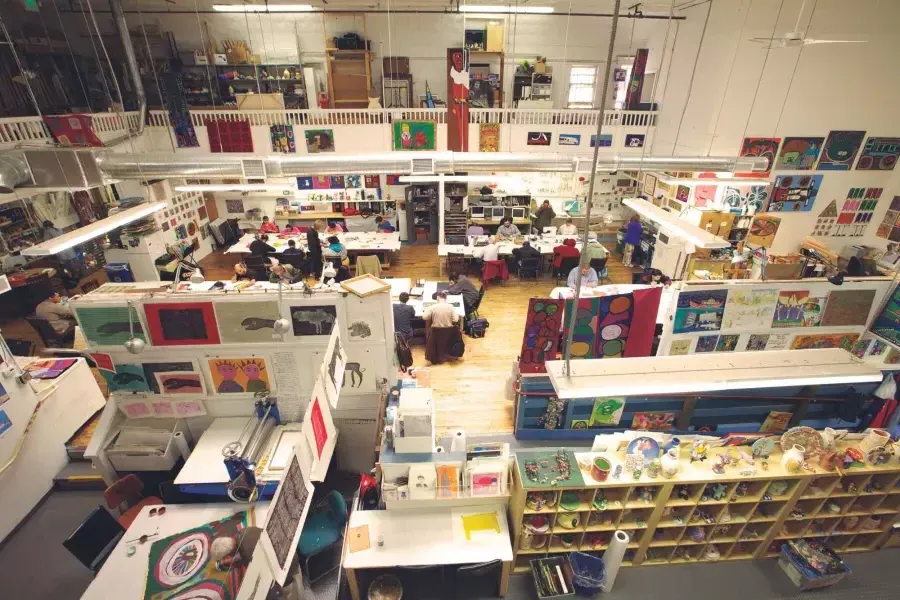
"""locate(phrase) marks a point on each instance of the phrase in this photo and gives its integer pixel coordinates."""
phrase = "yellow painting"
(763, 230)
(239, 375)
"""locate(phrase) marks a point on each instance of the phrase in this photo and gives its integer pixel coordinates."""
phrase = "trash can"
(119, 272)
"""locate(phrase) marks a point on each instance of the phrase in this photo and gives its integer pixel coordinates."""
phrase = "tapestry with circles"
(601, 326)
(543, 322)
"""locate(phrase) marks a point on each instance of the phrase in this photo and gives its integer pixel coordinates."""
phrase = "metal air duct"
(14, 172)
(131, 62)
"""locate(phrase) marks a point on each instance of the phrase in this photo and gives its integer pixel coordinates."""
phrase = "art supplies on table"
(49, 369)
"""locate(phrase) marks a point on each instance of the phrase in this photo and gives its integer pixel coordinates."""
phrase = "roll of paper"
(182, 444)
(458, 441)
(612, 558)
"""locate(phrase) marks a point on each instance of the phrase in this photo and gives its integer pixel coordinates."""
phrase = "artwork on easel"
(239, 375)
(333, 368)
(543, 322)
(313, 319)
(108, 325)
(247, 322)
(840, 149)
(182, 323)
(799, 153)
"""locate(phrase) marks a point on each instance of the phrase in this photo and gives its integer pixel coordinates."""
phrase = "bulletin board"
(753, 316)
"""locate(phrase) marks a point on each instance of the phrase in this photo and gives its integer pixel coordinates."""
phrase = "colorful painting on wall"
(584, 336)
(183, 565)
(634, 140)
(879, 154)
(825, 340)
(414, 135)
(539, 138)
(762, 230)
(705, 195)
(319, 140)
(239, 375)
(653, 421)
(840, 149)
(757, 342)
(794, 193)
(313, 319)
(372, 181)
(353, 181)
(727, 343)
(489, 137)
(746, 310)
(861, 347)
(283, 139)
(826, 220)
(857, 212)
(542, 326)
(643, 322)
(762, 148)
(606, 140)
(458, 100)
(607, 411)
(799, 153)
(108, 325)
(700, 311)
(569, 139)
(234, 207)
(126, 378)
(746, 199)
(848, 307)
(182, 323)
(890, 224)
(229, 136)
(614, 325)
(789, 309)
(682, 193)
(680, 347)
(706, 343)
(152, 368)
(247, 322)
(50, 368)
(336, 182)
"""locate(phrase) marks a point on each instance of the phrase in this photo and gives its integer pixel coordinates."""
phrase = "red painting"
(763, 148)
(318, 426)
(229, 136)
(373, 181)
(643, 322)
(73, 130)
(182, 324)
(458, 101)
(543, 322)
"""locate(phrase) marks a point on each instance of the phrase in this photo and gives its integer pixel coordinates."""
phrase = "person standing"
(544, 217)
(314, 247)
(632, 239)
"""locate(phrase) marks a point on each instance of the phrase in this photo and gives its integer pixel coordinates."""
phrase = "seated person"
(260, 246)
(489, 252)
(383, 225)
(335, 250)
(565, 250)
(594, 249)
(268, 226)
(333, 228)
(403, 316)
(588, 276)
(242, 274)
(507, 230)
(462, 285)
(58, 315)
(568, 228)
(285, 273)
(290, 230)
(525, 252)
(474, 230)
(293, 249)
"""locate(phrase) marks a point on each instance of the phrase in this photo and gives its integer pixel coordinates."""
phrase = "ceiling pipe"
(14, 172)
(131, 64)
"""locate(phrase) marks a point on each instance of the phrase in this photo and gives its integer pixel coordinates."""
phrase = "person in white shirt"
(588, 277)
(507, 230)
(60, 316)
(568, 228)
(489, 252)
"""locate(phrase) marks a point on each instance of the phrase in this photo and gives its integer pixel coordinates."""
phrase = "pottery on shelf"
(670, 463)
(875, 438)
(793, 457)
(600, 469)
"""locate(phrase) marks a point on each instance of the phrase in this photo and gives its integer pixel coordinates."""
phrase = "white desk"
(399, 285)
(668, 293)
(429, 536)
(505, 248)
(430, 287)
(206, 463)
(122, 576)
(354, 242)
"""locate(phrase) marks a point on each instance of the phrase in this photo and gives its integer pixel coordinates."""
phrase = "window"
(582, 81)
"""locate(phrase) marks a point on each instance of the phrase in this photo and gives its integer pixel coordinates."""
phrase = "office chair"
(530, 266)
(456, 263)
(322, 532)
(473, 310)
(562, 271)
(127, 491)
(48, 335)
(95, 538)
(599, 265)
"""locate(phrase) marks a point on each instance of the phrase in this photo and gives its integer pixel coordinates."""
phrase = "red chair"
(493, 269)
(127, 491)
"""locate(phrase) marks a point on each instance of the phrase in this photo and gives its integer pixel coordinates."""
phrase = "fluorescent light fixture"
(522, 10)
(678, 227)
(240, 8)
(734, 181)
(459, 179)
(236, 187)
(96, 229)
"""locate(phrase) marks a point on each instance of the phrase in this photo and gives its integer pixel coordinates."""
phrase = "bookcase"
(698, 515)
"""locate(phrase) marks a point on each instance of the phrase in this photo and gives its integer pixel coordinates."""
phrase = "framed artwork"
(489, 137)
(247, 322)
(108, 325)
(182, 323)
(794, 193)
(840, 149)
(649, 186)
(239, 375)
(365, 285)
(180, 383)
(414, 135)
(879, 154)
(606, 140)
(634, 140)
(700, 311)
(543, 322)
(313, 319)
(333, 368)
(762, 230)
(799, 153)
(539, 138)
(152, 368)
(569, 139)
(319, 140)
(766, 148)
(287, 514)
(682, 193)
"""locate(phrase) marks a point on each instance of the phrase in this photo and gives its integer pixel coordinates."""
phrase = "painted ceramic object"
(538, 524)
(600, 469)
(568, 520)
(778, 488)
(811, 440)
(569, 500)
(644, 445)
(793, 457)
(670, 464)
(875, 438)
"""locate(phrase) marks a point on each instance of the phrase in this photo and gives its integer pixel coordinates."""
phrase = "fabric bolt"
(543, 322)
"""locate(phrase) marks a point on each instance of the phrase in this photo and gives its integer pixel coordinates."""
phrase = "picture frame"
(365, 285)
(166, 323)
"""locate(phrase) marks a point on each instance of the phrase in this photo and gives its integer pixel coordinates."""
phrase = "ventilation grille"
(422, 166)
(253, 168)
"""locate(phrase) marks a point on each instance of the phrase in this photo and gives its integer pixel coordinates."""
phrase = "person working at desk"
(507, 230)
(474, 230)
(489, 252)
(260, 246)
(383, 225)
(335, 250)
(285, 273)
(568, 228)
(403, 316)
(268, 226)
(60, 316)
(462, 285)
(293, 249)
(632, 239)
(565, 250)
(588, 276)
(544, 216)
(594, 249)
(526, 252)
(333, 228)
(290, 230)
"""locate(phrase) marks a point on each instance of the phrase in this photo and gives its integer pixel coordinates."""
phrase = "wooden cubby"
(740, 517)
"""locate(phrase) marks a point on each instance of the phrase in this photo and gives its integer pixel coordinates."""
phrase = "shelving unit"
(697, 511)
(421, 213)
(260, 79)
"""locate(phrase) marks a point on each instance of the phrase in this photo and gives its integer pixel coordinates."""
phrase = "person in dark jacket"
(632, 239)
(462, 285)
(525, 252)
(260, 246)
(403, 316)
(314, 247)
(544, 217)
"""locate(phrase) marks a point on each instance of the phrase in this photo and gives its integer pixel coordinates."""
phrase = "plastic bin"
(588, 573)
(119, 272)
(804, 578)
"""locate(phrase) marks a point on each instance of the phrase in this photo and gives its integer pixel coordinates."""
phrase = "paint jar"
(600, 469)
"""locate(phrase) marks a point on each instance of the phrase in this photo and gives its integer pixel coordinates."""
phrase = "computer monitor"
(518, 212)
(497, 213)
(477, 212)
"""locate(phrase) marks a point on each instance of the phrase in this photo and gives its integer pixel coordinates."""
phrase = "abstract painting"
(319, 140)
(799, 153)
(584, 324)
(180, 383)
(794, 193)
(247, 322)
(748, 309)
(890, 224)
(229, 136)
(879, 154)
(861, 347)
(840, 149)
(746, 199)
(489, 137)
(129, 378)
(539, 138)
(414, 135)
(49, 369)
(826, 220)
(108, 325)
(569, 139)
(239, 375)
(152, 368)
(705, 195)
(762, 230)
(313, 319)
(614, 325)
(700, 311)
(848, 307)
(727, 343)
(887, 324)
(878, 348)
(182, 565)
(182, 323)
(789, 309)
(353, 181)
(634, 140)
(653, 421)
(825, 340)
(282, 137)
(707, 343)
(857, 211)
(766, 148)
(543, 322)
(757, 342)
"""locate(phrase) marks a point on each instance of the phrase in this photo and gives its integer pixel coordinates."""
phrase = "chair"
(48, 335)
(456, 262)
(599, 265)
(493, 269)
(323, 531)
(368, 264)
(562, 271)
(89, 286)
(94, 539)
(529, 265)
(465, 580)
(127, 492)
(20, 347)
(473, 310)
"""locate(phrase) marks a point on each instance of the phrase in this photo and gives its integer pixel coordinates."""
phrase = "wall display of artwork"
(825, 340)
(845, 307)
(247, 322)
(794, 193)
(336, 182)
(361, 368)
(229, 136)
(108, 325)
(569, 139)
(286, 516)
(799, 153)
(840, 149)
(887, 324)
(543, 322)
(353, 181)
(763, 229)
(182, 323)
(879, 154)
(746, 200)
(319, 140)
(321, 182)
(180, 383)
(414, 135)
(634, 140)
(372, 181)
(763, 148)
(489, 137)
(857, 212)
(649, 185)
(890, 223)
(790, 309)
(312, 319)
(282, 137)
(606, 140)
(130, 378)
(749, 309)
(539, 138)
(680, 347)
(333, 368)
(239, 375)
(700, 311)
(152, 368)
(826, 220)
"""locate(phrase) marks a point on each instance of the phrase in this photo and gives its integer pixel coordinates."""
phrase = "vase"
(670, 463)
(828, 438)
(792, 460)
(875, 438)
(600, 469)
(673, 443)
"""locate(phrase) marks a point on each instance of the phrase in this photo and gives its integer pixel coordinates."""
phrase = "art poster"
(239, 375)
(372, 181)
(776, 422)
(5, 423)
(879, 154)
(336, 182)
(762, 230)
(247, 322)
(283, 139)
(614, 325)
(857, 211)
(680, 347)
(878, 348)
(569, 139)
(414, 135)
(799, 153)
(700, 311)
(543, 322)
(458, 100)
(313, 319)
(844, 341)
(861, 347)
(234, 207)
(180, 383)
(746, 199)
(766, 148)
(108, 325)
(333, 368)
(353, 181)
(727, 343)
(706, 343)
(606, 140)
(826, 220)
(584, 336)
(757, 342)
(152, 368)
(794, 193)
(848, 307)
(682, 193)
(890, 224)
(748, 309)
(126, 378)
(634, 140)
(840, 149)
(183, 566)
(182, 323)
(705, 195)
(887, 324)
(789, 308)
(364, 322)
(607, 411)
(539, 138)
(319, 140)
(287, 514)
(649, 185)
(653, 421)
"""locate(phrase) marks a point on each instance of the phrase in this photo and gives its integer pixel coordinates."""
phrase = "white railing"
(23, 129)
(313, 118)
(574, 117)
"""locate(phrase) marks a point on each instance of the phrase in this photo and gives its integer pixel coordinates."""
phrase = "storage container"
(145, 445)
(542, 567)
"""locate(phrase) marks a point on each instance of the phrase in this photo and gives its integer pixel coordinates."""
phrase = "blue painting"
(840, 149)
(5, 423)
(794, 193)
(700, 311)
(606, 140)
(130, 378)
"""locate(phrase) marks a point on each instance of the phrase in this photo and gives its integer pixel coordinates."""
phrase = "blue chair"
(321, 539)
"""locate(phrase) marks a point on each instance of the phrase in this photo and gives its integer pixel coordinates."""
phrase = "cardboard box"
(201, 59)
